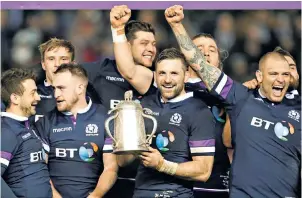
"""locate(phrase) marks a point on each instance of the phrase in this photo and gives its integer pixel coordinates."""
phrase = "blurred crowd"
(243, 35)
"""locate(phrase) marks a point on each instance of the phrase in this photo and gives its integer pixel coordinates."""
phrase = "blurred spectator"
(246, 35)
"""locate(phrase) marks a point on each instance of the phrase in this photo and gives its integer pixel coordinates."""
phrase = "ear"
(43, 65)
(15, 99)
(80, 89)
(259, 76)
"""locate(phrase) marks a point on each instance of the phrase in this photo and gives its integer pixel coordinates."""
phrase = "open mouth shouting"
(277, 90)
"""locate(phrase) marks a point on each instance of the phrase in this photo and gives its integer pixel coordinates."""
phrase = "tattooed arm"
(209, 74)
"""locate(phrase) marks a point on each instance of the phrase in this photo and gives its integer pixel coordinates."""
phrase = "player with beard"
(141, 78)
(292, 93)
(183, 147)
(80, 163)
(103, 76)
(266, 131)
(24, 171)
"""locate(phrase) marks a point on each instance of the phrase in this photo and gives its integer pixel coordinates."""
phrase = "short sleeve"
(229, 91)
(202, 137)
(108, 143)
(9, 146)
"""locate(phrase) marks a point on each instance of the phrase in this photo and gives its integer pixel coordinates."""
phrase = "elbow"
(204, 176)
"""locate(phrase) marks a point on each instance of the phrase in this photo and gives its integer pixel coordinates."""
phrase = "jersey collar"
(179, 98)
(14, 116)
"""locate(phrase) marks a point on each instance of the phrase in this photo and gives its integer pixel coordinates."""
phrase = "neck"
(81, 104)
(182, 93)
(192, 73)
(48, 80)
(261, 92)
(16, 111)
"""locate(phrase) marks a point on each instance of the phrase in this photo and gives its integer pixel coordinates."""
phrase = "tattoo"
(209, 74)
(185, 42)
(197, 57)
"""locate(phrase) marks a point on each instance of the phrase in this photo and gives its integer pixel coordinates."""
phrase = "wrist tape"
(118, 35)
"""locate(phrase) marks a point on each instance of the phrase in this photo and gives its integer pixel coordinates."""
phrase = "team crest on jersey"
(175, 119)
(293, 114)
(92, 130)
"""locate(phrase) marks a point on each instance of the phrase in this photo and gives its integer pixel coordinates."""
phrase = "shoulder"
(196, 103)
(8, 130)
(98, 64)
(99, 108)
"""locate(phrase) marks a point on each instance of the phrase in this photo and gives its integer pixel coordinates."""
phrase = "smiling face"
(274, 77)
(29, 99)
(170, 78)
(143, 48)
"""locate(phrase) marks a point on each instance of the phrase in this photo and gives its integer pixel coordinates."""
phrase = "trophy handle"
(107, 127)
(154, 126)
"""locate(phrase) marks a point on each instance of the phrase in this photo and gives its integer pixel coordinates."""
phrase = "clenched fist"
(174, 14)
(119, 16)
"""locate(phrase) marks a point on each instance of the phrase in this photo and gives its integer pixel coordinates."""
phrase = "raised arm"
(209, 74)
(137, 75)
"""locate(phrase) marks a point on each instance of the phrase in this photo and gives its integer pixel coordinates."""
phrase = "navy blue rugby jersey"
(185, 129)
(23, 166)
(267, 141)
(48, 100)
(219, 178)
(75, 159)
(107, 84)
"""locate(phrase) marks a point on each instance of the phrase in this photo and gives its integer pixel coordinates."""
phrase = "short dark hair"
(171, 54)
(135, 26)
(283, 52)
(11, 82)
(55, 43)
(222, 54)
(75, 69)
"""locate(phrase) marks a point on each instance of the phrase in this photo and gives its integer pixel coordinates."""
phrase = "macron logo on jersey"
(43, 96)
(111, 78)
(62, 129)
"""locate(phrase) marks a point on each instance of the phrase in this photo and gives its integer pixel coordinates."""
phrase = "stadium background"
(245, 35)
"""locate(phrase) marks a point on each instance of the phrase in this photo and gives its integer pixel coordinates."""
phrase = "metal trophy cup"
(129, 127)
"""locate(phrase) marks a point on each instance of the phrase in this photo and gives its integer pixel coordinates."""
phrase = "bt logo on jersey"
(38, 156)
(258, 122)
(87, 152)
(281, 129)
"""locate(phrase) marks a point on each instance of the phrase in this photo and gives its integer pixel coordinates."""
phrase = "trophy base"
(125, 152)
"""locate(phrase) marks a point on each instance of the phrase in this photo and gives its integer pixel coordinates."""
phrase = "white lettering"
(111, 78)
(34, 157)
(61, 152)
(258, 122)
(62, 129)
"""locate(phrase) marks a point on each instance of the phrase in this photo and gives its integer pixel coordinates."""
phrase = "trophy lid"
(128, 103)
